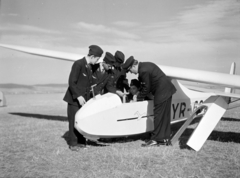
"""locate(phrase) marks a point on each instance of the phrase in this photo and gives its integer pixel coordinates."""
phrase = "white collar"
(101, 66)
(87, 59)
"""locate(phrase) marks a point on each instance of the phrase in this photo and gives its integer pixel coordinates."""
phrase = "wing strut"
(216, 107)
(187, 123)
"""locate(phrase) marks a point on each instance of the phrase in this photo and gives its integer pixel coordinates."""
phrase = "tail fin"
(232, 72)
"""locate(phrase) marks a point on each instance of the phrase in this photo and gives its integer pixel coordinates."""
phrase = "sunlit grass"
(34, 145)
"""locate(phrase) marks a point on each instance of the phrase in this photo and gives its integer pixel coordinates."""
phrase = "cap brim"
(128, 69)
(101, 58)
(117, 65)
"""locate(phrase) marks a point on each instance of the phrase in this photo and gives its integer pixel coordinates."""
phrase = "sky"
(196, 34)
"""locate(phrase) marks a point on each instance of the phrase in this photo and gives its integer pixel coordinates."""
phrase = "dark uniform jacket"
(79, 83)
(101, 80)
(129, 97)
(155, 81)
(119, 81)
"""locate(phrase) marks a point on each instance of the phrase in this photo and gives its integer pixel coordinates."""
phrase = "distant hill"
(11, 88)
(12, 85)
(52, 85)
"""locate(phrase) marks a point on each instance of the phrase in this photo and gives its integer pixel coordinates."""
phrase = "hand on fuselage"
(81, 100)
(120, 93)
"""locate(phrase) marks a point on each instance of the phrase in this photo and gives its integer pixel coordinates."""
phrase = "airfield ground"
(33, 129)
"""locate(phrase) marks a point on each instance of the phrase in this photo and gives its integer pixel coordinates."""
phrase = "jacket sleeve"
(145, 81)
(125, 84)
(125, 80)
(73, 79)
(110, 84)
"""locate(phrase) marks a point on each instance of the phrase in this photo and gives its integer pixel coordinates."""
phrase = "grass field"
(33, 129)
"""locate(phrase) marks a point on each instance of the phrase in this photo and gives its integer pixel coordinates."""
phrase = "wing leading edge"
(215, 78)
(231, 95)
(46, 53)
(221, 79)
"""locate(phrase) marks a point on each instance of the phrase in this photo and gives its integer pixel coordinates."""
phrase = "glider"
(112, 118)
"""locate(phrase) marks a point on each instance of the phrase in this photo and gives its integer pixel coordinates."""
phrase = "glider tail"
(232, 72)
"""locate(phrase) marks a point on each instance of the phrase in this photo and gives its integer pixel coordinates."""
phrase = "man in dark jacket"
(102, 72)
(78, 92)
(154, 81)
(119, 81)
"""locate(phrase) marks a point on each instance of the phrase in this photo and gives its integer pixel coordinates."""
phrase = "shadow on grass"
(126, 139)
(230, 119)
(40, 116)
(55, 118)
(89, 142)
(215, 136)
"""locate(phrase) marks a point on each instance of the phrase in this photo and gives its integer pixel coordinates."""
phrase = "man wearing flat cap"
(78, 92)
(119, 81)
(154, 81)
(102, 72)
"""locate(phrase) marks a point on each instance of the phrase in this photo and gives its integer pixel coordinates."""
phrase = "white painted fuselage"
(107, 116)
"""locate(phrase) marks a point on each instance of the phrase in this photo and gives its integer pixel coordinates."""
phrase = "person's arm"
(145, 81)
(81, 100)
(125, 80)
(111, 87)
(120, 93)
(134, 98)
(125, 83)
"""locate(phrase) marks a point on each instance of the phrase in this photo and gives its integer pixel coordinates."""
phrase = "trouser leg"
(74, 136)
(162, 119)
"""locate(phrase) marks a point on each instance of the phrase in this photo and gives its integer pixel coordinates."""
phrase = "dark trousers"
(162, 119)
(74, 136)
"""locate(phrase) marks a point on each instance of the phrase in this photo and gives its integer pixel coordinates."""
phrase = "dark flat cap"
(109, 58)
(95, 50)
(129, 62)
(135, 82)
(119, 56)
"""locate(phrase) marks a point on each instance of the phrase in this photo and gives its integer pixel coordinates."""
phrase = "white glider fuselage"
(106, 116)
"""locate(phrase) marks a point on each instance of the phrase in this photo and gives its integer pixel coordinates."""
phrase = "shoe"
(147, 140)
(77, 147)
(81, 145)
(150, 143)
(74, 148)
(166, 142)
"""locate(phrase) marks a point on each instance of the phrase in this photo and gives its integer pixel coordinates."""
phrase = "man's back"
(155, 81)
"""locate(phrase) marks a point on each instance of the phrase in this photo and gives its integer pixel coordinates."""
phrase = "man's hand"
(81, 100)
(134, 98)
(120, 93)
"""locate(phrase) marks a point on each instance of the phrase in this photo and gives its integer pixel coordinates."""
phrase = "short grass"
(33, 131)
